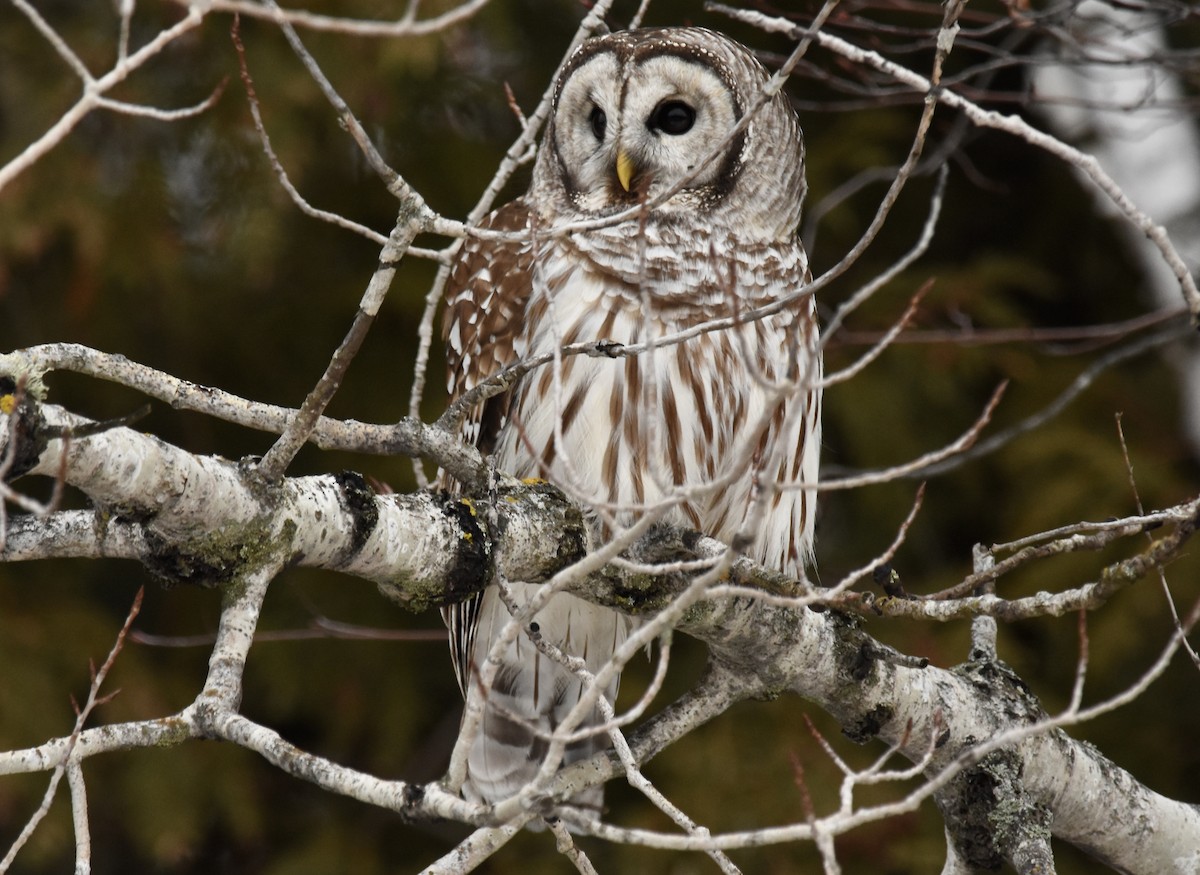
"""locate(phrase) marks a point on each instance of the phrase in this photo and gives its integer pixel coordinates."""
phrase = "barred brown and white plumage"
(712, 426)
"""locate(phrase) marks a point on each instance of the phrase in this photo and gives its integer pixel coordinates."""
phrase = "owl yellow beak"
(625, 169)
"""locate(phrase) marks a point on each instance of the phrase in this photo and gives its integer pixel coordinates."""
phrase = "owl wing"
(485, 298)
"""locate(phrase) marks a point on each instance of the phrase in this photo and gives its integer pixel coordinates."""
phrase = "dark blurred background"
(174, 245)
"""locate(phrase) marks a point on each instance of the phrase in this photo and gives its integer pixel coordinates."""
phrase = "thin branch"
(415, 217)
(921, 465)
(280, 173)
(322, 628)
(1083, 338)
(60, 45)
(1011, 124)
(567, 847)
(1081, 663)
(1162, 577)
(125, 9)
(63, 765)
(79, 818)
(884, 342)
(407, 437)
(637, 780)
(1078, 385)
(477, 848)
(137, 110)
(405, 26)
(1112, 579)
(94, 90)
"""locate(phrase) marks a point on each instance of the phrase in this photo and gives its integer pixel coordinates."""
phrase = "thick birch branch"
(203, 518)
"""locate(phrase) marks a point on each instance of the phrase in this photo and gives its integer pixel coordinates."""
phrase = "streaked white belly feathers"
(694, 423)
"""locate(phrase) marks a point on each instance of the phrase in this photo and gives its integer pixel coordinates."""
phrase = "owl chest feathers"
(692, 423)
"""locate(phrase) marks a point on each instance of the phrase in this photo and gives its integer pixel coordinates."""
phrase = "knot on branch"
(869, 725)
(358, 500)
(24, 440)
(523, 530)
(471, 566)
(606, 349)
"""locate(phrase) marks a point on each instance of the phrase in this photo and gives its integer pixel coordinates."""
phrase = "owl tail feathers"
(507, 754)
(530, 695)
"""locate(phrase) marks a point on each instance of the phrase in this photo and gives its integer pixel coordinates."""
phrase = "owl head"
(636, 112)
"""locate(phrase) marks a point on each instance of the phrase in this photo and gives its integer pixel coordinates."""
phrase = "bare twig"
(406, 26)
(405, 437)
(1081, 338)
(1162, 577)
(1011, 124)
(94, 88)
(414, 218)
(79, 818)
(952, 604)
(567, 847)
(277, 166)
(79, 804)
(921, 465)
(322, 628)
(1005, 436)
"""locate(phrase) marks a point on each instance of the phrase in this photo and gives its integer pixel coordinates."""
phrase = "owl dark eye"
(599, 122)
(672, 117)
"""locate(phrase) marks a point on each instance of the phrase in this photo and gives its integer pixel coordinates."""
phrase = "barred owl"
(722, 427)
